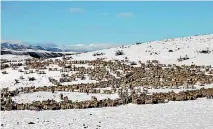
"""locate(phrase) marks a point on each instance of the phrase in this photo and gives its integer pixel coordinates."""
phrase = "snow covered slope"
(166, 51)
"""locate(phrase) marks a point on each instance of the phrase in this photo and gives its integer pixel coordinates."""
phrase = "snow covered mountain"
(23, 47)
(6, 45)
(32, 51)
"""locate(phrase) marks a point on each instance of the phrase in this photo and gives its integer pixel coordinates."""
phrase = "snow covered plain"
(189, 114)
(196, 114)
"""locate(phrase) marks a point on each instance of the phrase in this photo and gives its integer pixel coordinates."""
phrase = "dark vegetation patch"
(31, 123)
(170, 50)
(98, 54)
(137, 43)
(133, 63)
(32, 78)
(205, 51)
(119, 52)
(183, 58)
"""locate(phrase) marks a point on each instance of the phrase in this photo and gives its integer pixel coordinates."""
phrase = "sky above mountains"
(98, 25)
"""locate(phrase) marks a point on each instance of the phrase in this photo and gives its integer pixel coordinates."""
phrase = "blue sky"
(103, 23)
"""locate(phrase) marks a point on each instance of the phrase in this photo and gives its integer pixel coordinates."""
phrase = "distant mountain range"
(33, 51)
(23, 47)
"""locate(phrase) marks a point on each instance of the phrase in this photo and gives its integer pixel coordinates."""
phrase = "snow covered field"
(196, 114)
(175, 115)
(74, 96)
(15, 57)
(8, 80)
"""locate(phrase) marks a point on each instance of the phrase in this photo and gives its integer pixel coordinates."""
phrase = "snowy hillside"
(198, 49)
(176, 115)
(74, 79)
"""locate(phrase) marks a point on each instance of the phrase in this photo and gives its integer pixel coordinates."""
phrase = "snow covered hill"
(198, 49)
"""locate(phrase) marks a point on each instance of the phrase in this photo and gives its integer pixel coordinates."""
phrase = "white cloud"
(90, 47)
(13, 41)
(79, 45)
(46, 44)
(125, 14)
(77, 10)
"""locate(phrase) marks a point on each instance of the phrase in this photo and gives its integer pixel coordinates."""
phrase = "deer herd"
(131, 83)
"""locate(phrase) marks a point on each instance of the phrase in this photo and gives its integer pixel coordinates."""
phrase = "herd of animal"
(130, 82)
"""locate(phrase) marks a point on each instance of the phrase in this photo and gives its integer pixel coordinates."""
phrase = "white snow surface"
(197, 114)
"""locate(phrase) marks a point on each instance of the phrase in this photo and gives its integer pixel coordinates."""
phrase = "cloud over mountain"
(90, 47)
(13, 41)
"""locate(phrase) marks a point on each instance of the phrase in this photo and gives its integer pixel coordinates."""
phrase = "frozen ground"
(173, 115)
